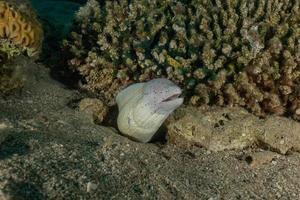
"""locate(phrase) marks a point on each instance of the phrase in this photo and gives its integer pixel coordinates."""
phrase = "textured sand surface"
(51, 150)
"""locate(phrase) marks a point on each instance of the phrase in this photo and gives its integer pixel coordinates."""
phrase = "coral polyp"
(240, 52)
(20, 30)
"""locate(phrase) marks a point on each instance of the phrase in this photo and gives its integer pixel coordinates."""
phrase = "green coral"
(8, 79)
(231, 52)
(8, 50)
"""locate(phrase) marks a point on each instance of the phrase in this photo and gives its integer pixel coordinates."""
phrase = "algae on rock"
(220, 52)
(217, 129)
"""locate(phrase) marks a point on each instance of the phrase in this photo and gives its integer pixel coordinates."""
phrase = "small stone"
(30, 101)
(3, 126)
(274, 162)
(258, 159)
(298, 111)
(91, 186)
(94, 108)
(281, 142)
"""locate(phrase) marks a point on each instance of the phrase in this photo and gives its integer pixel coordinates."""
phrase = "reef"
(20, 34)
(20, 31)
(233, 52)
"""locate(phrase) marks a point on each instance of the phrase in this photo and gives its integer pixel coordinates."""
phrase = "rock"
(217, 129)
(94, 108)
(280, 134)
(258, 159)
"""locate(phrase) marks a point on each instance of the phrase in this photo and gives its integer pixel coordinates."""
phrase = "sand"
(51, 150)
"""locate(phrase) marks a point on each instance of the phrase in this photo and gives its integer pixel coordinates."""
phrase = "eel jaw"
(172, 97)
(170, 103)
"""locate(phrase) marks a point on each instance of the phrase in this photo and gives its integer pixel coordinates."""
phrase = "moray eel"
(143, 107)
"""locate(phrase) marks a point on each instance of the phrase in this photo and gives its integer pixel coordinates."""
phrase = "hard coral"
(239, 52)
(20, 30)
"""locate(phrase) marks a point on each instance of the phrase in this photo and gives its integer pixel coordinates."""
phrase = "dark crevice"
(51, 55)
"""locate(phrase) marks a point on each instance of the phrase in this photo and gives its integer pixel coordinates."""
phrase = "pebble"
(3, 126)
(91, 186)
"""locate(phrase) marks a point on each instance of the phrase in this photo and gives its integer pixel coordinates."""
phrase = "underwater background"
(237, 135)
(58, 14)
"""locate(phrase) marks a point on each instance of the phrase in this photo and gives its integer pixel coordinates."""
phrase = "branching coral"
(231, 52)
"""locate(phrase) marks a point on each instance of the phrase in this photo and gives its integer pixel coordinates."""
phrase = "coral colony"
(20, 33)
(239, 52)
(19, 29)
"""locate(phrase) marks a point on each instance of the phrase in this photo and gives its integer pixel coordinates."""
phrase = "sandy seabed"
(50, 150)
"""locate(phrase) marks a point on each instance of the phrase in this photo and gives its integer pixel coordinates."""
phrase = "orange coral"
(24, 31)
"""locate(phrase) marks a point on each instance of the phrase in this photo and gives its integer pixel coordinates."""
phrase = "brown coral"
(240, 52)
(20, 27)
(95, 109)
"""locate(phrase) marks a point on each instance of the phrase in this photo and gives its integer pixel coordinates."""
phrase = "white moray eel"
(143, 107)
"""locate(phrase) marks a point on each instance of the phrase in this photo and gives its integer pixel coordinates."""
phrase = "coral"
(20, 33)
(95, 109)
(231, 52)
(20, 30)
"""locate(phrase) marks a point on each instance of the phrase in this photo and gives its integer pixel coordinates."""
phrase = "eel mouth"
(173, 97)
